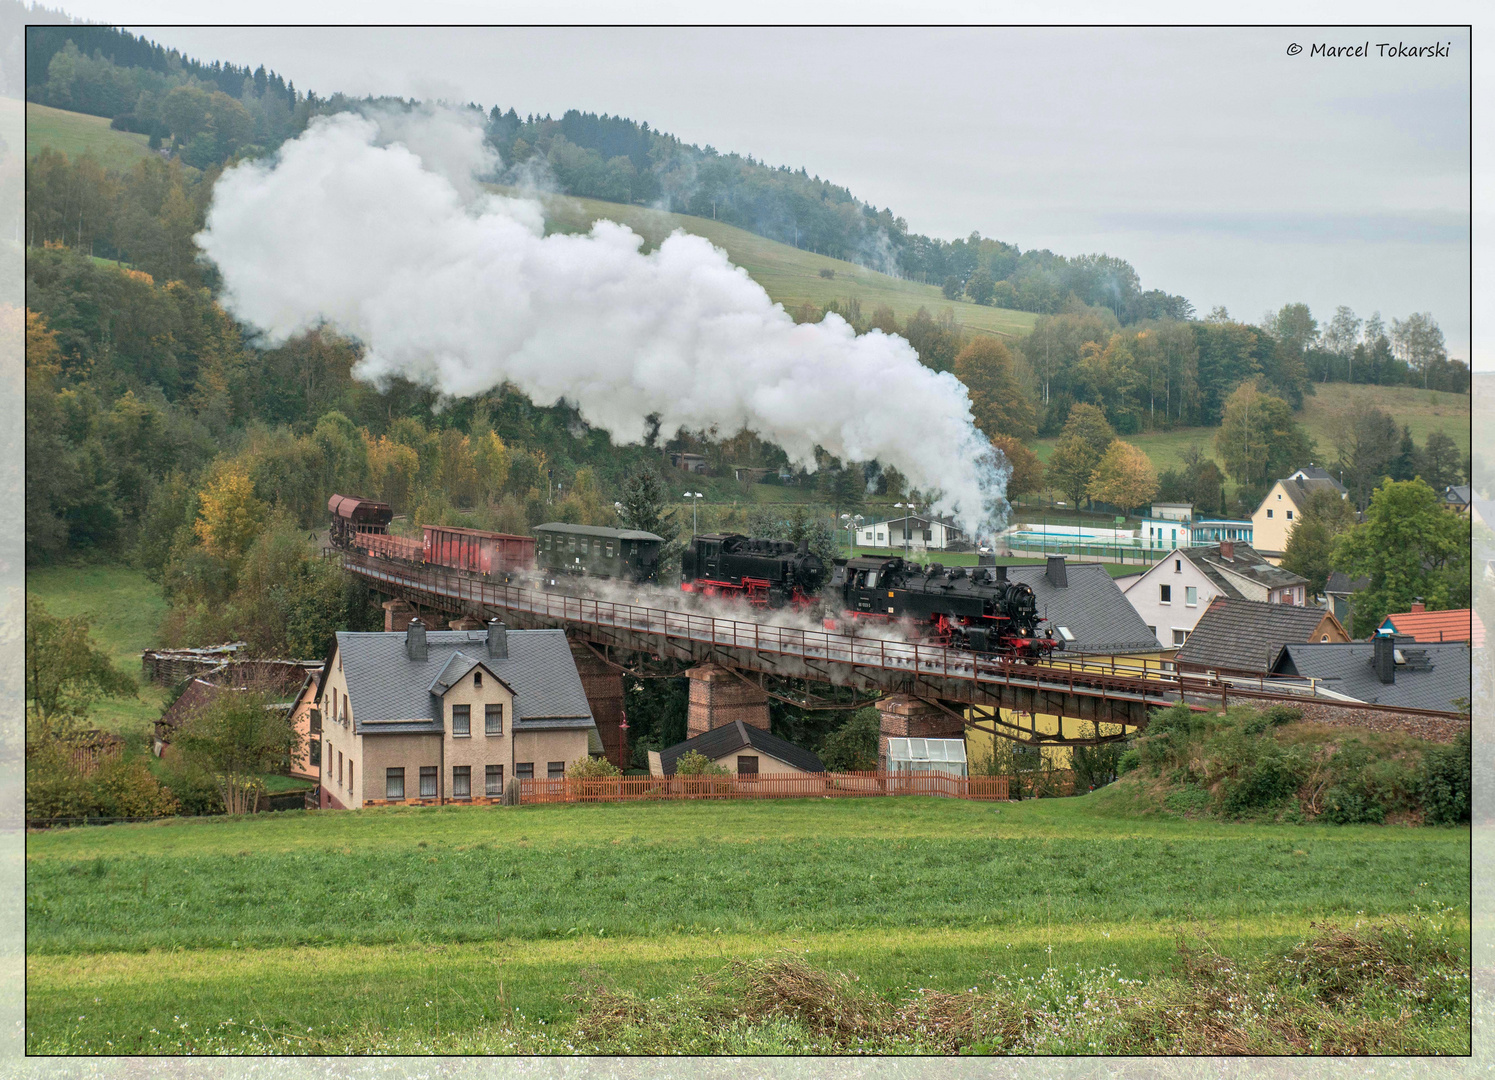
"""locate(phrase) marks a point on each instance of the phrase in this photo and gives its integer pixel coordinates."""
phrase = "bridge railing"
(1149, 681)
(764, 786)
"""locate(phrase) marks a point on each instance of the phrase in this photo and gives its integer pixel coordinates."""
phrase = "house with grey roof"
(1176, 591)
(1387, 670)
(1085, 608)
(1245, 636)
(1339, 596)
(442, 716)
(743, 750)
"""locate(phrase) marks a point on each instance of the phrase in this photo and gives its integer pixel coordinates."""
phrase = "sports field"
(471, 929)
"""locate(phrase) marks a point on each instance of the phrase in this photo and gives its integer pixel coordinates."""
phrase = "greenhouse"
(927, 755)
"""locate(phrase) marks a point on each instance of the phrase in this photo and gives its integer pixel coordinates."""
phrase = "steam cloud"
(377, 225)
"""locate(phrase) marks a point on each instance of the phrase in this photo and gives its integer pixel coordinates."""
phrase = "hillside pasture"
(76, 134)
(463, 929)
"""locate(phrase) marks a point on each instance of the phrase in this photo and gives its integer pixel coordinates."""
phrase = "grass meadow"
(76, 134)
(512, 929)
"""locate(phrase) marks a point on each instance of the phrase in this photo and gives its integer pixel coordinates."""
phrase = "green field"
(125, 609)
(463, 929)
(76, 134)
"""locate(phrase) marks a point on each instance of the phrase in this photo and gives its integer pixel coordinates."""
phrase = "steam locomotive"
(966, 607)
(765, 573)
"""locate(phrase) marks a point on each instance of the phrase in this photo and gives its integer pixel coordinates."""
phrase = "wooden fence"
(767, 786)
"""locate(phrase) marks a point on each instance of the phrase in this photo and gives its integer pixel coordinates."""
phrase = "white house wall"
(1177, 614)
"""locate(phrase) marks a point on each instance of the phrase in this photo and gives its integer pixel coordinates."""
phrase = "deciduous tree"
(1259, 439)
(1409, 546)
(1083, 442)
(1124, 477)
(236, 738)
(65, 673)
(1310, 546)
(998, 403)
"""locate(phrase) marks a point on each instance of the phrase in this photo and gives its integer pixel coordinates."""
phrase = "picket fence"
(765, 786)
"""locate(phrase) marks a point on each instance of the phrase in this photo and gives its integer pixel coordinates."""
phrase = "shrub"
(55, 789)
(695, 763)
(1274, 777)
(1348, 804)
(1445, 782)
(1186, 799)
(852, 747)
(1278, 715)
(1129, 761)
(592, 768)
(195, 790)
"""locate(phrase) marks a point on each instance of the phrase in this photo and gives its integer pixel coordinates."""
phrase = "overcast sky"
(1220, 166)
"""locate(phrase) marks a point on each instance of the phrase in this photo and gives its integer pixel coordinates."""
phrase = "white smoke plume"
(378, 227)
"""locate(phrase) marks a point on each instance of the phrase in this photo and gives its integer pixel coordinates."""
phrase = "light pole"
(852, 524)
(907, 528)
(693, 496)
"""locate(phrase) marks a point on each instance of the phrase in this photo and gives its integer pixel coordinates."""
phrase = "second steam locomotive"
(974, 608)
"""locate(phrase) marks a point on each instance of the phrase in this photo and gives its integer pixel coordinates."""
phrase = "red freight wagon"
(476, 551)
(392, 547)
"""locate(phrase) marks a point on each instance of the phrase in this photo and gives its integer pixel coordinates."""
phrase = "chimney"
(1418, 606)
(1056, 573)
(1383, 658)
(987, 559)
(415, 640)
(498, 640)
(1227, 549)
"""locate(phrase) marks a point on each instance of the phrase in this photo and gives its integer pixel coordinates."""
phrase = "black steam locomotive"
(967, 607)
(766, 573)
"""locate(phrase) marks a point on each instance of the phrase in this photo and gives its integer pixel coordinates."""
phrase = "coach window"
(609, 549)
(570, 543)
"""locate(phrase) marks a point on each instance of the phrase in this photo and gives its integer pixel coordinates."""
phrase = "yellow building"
(1101, 631)
(1274, 519)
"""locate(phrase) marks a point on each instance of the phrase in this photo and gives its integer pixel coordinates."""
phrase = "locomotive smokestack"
(804, 547)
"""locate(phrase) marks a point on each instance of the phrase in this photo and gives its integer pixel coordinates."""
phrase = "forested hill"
(215, 111)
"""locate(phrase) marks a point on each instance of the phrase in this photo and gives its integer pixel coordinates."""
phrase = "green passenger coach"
(594, 551)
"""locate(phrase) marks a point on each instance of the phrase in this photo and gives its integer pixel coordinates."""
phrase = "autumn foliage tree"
(1082, 444)
(1027, 470)
(1124, 477)
(998, 403)
(1258, 438)
(229, 515)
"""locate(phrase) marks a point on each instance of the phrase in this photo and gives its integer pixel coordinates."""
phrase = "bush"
(1187, 799)
(1445, 783)
(695, 763)
(1278, 715)
(1275, 776)
(1129, 761)
(196, 792)
(1348, 804)
(592, 768)
(55, 789)
(1096, 766)
(852, 747)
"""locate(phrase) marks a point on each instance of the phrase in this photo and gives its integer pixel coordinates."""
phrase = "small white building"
(915, 533)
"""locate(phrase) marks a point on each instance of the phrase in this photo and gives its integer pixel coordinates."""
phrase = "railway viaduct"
(735, 666)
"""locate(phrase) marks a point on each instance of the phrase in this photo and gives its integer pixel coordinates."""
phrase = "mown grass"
(76, 133)
(463, 929)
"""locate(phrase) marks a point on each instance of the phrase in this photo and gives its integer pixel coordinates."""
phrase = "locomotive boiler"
(967, 607)
(765, 573)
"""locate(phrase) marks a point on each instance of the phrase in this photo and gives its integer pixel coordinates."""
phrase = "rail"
(764, 786)
(1149, 682)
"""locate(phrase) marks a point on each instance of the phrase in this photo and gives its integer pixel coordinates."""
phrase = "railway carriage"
(563, 550)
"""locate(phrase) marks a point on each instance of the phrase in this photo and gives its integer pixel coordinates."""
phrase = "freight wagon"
(477, 552)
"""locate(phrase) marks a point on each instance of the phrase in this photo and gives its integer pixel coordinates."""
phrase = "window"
(1066, 633)
(1179, 635)
(609, 549)
(394, 783)
(1165, 594)
(461, 721)
(461, 781)
(570, 543)
(493, 719)
(747, 765)
(350, 777)
(524, 770)
(1289, 515)
(555, 770)
(1153, 630)
(314, 751)
(1191, 596)
(1178, 566)
(339, 767)
(428, 781)
(493, 780)
(1269, 509)
(477, 678)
